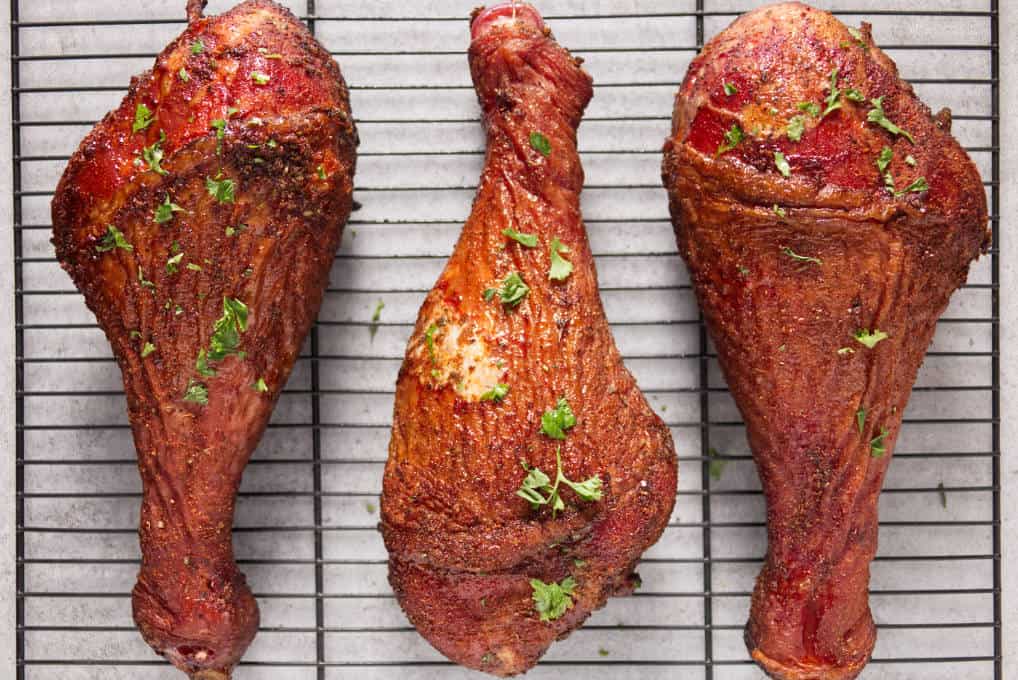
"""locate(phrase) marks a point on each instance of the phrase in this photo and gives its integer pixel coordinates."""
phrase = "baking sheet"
(420, 157)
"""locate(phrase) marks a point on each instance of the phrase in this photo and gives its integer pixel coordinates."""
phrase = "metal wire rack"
(308, 508)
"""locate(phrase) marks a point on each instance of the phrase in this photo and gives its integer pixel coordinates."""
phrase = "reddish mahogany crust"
(463, 546)
(289, 146)
(880, 261)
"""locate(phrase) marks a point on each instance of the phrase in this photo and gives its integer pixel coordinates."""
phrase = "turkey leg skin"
(870, 226)
(463, 546)
(200, 220)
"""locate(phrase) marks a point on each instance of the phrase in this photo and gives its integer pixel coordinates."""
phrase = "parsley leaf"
(845, 351)
(528, 240)
(321, 172)
(857, 36)
(910, 159)
(496, 393)
(732, 139)
(429, 341)
(221, 189)
(554, 423)
(182, 74)
(801, 258)
(833, 100)
(201, 364)
(147, 349)
(779, 211)
(884, 159)
(796, 126)
(260, 78)
(192, 267)
(173, 264)
(860, 418)
(876, 115)
(918, 186)
(219, 125)
(153, 155)
(561, 268)
(488, 294)
(730, 89)
(513, 290)
(540, 143)
(812, 108)
(783, 167)
(197, 47)
(145, 283)
(164, 211)
(870, 339)
(196, 393)
(854, 95)
(373, 329)
(552, 600)
(260, 386)
(537, 483)
(877, 446)
(717, 464)
(142, 118)
(226, 333)
(113, 238)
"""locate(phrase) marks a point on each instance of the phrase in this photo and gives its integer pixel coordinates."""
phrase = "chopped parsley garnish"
(845, 351)
(260, 386)
(833, 100)
(812, 108)
(373, 329)
(112, 239)
(147, 349)
(552, 600)
(561, 268)
(601, 651)
(226, 333)
(220, 189)
(528, 240)
(182, 74)
(800, 258)
(173, 264)
(730, 89)
(732, 139)
(782, 165)
(779, 211)
(429, 341)
(192, 267)
(860, 418)
(884, 159)
(870, 339)
(231, 231)
(143, 282)
(201, 364)
(219, 125)
(854, 95)
(877, 446)
(554, 423)
(496, 393)
(717, 464)
(857, 35)
(796, 126)
(513, 290)
(918, 186)
(321, 173)
(196, 393)
(265, 53)
(910, 159)
(260, 78)
(153, 155)
(538, 489)
(197, 47)
(540, 143)
(142, 118)
(488, 294)
(164, 211)
(876, 115)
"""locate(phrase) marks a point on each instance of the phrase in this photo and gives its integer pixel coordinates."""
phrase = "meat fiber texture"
(819, 207)
(482, 367)
(200, 220)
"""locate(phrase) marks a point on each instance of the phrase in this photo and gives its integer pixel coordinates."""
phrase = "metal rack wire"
(308, 507)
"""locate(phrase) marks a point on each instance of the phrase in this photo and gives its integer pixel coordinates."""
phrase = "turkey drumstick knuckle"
(526, 472)
(826, 217)
(200, 220)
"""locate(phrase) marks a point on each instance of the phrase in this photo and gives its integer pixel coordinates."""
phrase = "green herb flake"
(429, 341)
(910, 159)
(716, 465)
(555, 422)
(800, 258)
(370, 507)
(164, 211)
(496, 393)
(796, 126)
(561, 268)
(601, 651)
(833, 100)
(219, 125)
(513, 290)
(321, 173)
(732, 139)
(854, 95)
(779, 211)
(153, 155)
(135, 335)
(375, 318)
(183, 75)
(191, 266)
(845, 351)
(730, 89)
(260, 386)
(147, 349)
(884, 159)
(870, 339)
(860, 418)
(552, 600)
(540, 143)
(877, 446)
(112, 239)
(857, 36)
(201, 364)
(265, 53)
(528, 240)
(173, 263)
(196, 393)
(226, 332)
(538, 490)
(917, 187)
(142, 118)
(876, 115)
(197, 47)
(783, 167)
(260, 78)
(812, 108)
(223, 190)
(143, 282)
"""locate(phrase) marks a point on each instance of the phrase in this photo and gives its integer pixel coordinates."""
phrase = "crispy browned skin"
(289, 147)
(462, 545)
(886, 262)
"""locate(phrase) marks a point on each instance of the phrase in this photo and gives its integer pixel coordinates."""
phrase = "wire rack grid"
(308, 508)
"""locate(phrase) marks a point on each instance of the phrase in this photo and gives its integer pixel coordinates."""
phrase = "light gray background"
(620, 139)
